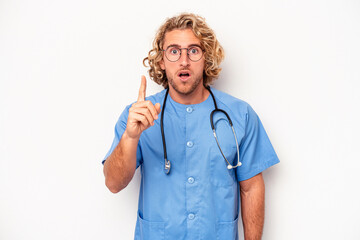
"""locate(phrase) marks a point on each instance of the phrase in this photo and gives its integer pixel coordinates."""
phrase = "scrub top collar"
(183, 107)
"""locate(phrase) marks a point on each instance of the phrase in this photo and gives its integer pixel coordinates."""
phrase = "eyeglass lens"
(173, 53)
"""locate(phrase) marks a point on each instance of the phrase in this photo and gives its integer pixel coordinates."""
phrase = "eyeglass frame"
(187, 52)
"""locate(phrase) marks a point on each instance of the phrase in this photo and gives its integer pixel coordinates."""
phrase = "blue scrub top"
(199, 199)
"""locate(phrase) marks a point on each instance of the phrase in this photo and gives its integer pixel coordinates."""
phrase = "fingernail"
(156, 117)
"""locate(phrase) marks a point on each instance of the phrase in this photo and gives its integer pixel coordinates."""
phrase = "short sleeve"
(119, 131)
(256, 151)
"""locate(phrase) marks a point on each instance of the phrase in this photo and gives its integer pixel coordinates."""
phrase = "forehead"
(181, 37)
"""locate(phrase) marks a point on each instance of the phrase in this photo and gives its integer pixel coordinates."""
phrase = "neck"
(199, 95)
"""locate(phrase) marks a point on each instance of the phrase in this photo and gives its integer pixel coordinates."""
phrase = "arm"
(119, 167)
(252, 193)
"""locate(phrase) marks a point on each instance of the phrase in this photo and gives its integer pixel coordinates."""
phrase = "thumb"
(157, 107)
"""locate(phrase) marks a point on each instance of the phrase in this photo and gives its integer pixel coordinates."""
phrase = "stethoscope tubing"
(167, 162)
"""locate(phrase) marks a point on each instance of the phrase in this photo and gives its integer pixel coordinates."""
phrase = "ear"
(162, 64)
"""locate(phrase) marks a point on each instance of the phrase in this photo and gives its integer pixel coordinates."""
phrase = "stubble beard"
(185, 92)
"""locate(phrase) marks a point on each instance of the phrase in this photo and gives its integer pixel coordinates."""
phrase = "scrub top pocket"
(227, 230)
(149, 230)
(220, 175)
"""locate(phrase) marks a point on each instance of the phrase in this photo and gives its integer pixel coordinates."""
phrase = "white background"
(68, 68)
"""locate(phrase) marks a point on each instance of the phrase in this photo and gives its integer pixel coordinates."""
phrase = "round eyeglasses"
(173, 53)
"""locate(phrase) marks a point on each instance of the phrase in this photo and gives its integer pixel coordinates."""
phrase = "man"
(191, 181)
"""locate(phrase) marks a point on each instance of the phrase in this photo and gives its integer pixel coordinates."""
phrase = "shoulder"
(232, 103)
(157, 97)
(240, 111)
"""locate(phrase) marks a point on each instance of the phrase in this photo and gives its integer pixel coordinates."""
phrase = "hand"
(142, 114)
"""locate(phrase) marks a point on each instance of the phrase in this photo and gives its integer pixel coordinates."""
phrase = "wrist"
(130, 137)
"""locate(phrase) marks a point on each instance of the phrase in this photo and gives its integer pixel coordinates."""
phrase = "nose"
(184, 58)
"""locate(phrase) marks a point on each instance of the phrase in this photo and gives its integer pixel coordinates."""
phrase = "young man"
(194, 165)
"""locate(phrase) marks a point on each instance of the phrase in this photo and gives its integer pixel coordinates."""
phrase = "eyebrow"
(178, 46)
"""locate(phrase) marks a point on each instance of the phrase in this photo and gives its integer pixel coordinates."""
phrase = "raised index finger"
(142, 90)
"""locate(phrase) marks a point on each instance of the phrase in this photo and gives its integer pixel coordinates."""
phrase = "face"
(184, 76)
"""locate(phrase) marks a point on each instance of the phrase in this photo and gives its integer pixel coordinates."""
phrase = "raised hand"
(142, 114)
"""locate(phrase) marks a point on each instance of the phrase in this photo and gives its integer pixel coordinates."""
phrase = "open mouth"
(183, 75)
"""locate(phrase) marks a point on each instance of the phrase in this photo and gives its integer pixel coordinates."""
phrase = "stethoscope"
(229, 166)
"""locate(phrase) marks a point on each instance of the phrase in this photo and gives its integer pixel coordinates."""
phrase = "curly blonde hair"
(213, 51)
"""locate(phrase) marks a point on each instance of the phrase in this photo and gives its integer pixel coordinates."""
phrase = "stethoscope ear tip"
(237, 165)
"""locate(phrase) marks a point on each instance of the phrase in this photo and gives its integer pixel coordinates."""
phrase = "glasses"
(173, 53)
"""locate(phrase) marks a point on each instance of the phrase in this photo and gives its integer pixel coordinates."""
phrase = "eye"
(194, 50)
(173, 51)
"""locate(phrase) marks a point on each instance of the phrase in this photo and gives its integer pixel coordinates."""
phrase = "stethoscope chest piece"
(167, 166)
